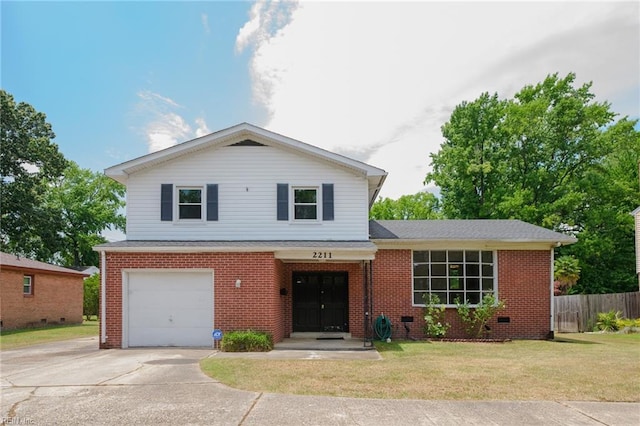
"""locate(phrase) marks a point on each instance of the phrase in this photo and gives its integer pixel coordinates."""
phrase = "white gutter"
(103, 297)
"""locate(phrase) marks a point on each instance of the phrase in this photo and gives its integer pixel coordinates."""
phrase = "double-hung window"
(453, 275)
(189, 203)
(305, 203)
(27, 285)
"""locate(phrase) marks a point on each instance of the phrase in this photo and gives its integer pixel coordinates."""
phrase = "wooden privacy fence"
(579, 312)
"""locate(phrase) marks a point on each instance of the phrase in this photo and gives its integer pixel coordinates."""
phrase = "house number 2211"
(321, 255)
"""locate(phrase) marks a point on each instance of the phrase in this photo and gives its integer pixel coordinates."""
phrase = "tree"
(29, 160)
(422, 205)
(604, 227)
(88, 203)
(91, 296)
(550, 156)
(554, 134)
(468, 167)
(520, 158)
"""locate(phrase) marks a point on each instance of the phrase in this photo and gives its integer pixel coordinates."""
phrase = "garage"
(168, 308)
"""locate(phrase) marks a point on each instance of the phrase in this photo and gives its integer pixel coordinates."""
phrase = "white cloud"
(204, 18)
(377, 80)
(164, 126)
(169, 129)
(202, 129)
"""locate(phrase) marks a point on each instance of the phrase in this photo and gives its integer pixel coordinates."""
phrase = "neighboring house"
(34, 293)
(248, 229)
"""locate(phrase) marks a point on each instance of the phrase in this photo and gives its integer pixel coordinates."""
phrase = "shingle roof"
(14, 262)
(464, 230)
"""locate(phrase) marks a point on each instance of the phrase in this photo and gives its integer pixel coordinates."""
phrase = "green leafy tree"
(554, 157)
(605, 229)
(91, 296)
(469, 166)
(521, 158)
(29, 161)
(88, 203)
(422, 205)
(554, 132)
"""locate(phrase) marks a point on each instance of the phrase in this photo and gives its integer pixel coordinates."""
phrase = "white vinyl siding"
(247, 178)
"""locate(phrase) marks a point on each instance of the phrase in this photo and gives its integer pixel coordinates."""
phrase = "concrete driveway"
(74, 383)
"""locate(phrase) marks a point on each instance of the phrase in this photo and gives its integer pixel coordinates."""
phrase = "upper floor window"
(27, 285)
(305, 203)
(463, 275)
(310, 203)
(189, 203)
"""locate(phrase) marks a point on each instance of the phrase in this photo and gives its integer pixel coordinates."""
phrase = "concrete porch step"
(321, 335)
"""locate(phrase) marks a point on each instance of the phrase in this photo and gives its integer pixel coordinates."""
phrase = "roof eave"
(489, 243)
(120, 172)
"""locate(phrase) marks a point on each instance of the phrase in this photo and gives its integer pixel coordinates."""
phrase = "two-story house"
(248, 229)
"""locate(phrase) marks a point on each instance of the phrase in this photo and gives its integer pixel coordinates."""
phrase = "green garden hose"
(383, 327)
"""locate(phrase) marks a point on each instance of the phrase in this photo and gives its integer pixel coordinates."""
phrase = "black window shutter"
(327, 201)
(166, 202)
(212, 201)
(283, 201)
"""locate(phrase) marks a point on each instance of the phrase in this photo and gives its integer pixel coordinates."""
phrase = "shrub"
(475, 319)
(247, 341)
(629, 325)
(91, 296)
(434, 313)
(608, 321)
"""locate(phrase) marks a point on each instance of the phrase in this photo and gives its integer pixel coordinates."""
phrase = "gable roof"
(512, 231)
(246, 133)
(11, 261)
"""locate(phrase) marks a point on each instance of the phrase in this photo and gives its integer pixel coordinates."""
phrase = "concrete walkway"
(74, 383)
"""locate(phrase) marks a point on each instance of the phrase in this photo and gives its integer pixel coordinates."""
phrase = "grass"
(585, 367)
(11, 339)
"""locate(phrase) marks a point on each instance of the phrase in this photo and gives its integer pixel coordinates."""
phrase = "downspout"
(103, 298)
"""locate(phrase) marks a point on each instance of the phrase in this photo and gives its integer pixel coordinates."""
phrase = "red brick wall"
(255, 305)
(54, 297)
(523, 284)
(392, 291)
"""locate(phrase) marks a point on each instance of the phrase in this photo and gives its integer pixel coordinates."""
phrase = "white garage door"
(167, 308)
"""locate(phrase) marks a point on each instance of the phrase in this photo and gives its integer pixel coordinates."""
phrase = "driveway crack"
(253, 404)
(139, 367)
(11, 414)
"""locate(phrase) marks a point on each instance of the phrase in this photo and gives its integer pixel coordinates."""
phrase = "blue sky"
(101, 72)
(371, 80)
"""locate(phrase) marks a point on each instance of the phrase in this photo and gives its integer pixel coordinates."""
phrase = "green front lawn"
(11, 339)
(589, 367)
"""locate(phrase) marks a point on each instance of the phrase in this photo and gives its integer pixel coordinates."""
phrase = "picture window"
(465, 275)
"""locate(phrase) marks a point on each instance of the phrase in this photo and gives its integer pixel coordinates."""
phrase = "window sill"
(186, 222)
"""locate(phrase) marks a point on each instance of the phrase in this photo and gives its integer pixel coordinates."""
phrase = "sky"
(371, 80)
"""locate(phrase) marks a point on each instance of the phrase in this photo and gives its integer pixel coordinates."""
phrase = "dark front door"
(320, 301)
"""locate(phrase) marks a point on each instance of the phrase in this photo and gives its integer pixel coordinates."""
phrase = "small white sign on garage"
(167, 307)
